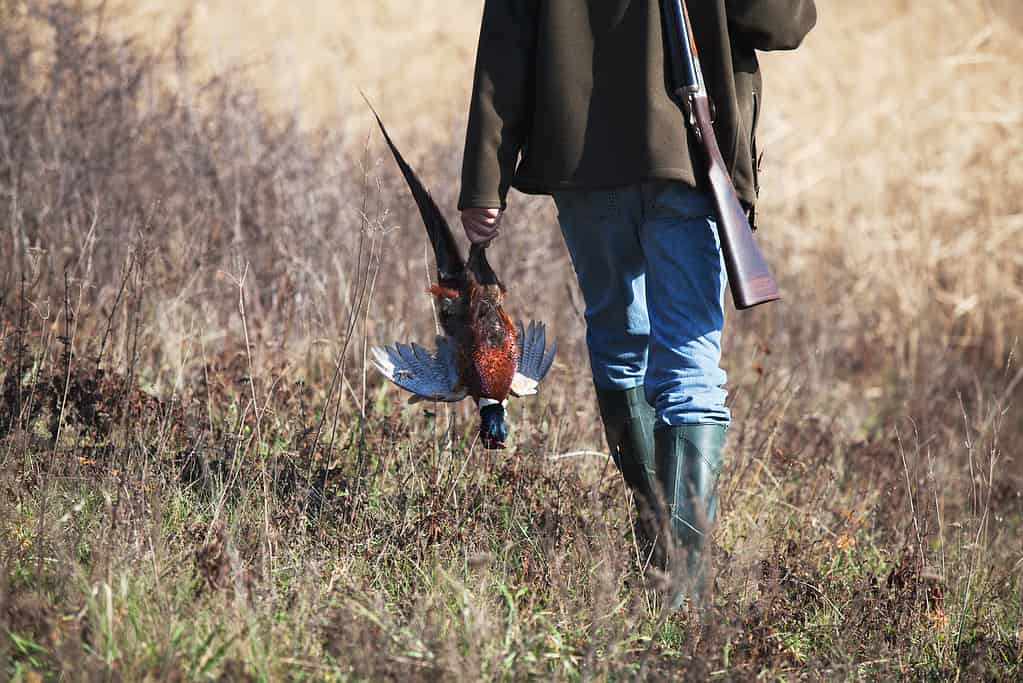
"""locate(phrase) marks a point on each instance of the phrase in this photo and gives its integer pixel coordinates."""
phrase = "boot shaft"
(689, 463)
(689, 459)
(629, 427)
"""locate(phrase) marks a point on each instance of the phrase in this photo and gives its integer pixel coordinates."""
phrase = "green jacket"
(574, 93)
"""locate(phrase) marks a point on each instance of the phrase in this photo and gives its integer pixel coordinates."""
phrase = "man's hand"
(481, 225)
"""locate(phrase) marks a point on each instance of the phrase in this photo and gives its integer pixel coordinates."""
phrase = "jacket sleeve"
(502, 102)
(772, 24)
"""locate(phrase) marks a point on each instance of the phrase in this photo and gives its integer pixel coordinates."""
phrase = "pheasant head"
(493, 432)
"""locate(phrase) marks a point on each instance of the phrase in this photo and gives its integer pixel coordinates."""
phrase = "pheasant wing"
(535, 358)
(429, 376)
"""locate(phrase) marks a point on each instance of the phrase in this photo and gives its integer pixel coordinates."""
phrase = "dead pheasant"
(481, 353)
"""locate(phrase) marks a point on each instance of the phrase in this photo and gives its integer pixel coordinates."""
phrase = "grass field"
(202, 479)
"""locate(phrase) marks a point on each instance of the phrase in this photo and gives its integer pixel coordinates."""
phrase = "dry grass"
(200, 478)
(312, 57)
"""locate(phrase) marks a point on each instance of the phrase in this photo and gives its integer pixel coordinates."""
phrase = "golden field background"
(202, 478)
(879, 132)
(313, 57)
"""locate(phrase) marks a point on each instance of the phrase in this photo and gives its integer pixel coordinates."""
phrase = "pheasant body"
(493, 352)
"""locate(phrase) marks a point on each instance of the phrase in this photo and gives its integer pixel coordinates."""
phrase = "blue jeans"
(649, 264)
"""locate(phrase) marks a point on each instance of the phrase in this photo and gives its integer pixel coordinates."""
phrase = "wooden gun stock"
(748, 275)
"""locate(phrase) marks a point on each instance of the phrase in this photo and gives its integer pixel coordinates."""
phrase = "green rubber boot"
(629, 427)
(688, 464)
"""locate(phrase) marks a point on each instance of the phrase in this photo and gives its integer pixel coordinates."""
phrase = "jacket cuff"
(473, 201)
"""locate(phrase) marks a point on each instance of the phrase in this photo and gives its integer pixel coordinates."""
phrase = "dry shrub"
(116, 180)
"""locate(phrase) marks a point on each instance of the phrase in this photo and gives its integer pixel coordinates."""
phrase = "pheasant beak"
(493, 432)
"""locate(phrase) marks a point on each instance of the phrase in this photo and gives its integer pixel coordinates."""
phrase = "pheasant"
(481, 353)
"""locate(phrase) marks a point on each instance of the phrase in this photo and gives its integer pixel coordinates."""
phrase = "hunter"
(572, 99)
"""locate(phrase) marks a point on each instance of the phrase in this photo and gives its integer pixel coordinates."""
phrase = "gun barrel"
(684, 63)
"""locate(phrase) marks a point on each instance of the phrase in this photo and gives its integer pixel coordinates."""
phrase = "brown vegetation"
(200, 477)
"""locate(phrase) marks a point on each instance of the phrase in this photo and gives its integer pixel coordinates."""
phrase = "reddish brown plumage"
(487, 342)
(443, 292)
(495, 365)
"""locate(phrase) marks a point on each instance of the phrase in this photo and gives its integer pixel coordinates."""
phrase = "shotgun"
(748, 276)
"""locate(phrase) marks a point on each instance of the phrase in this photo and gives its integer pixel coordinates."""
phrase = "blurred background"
(890, 149)
(202, 234)
(890, 205)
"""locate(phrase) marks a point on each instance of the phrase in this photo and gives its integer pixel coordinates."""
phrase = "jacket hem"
(543, 186)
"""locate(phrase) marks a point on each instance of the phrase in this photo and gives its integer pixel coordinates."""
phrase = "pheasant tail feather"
(450, 264)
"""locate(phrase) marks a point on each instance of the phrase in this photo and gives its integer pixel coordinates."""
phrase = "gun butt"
(748, 275)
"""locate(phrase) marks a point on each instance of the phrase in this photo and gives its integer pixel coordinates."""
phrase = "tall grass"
(201, 479)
